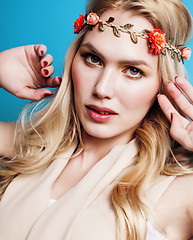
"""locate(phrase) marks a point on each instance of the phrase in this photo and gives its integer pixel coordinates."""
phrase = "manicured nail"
(42, 53)
(60, 79)
(48, 94)
(46, 72)
(45, 63)
(171, 117)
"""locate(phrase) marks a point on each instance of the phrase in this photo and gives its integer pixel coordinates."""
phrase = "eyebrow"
(135, 62)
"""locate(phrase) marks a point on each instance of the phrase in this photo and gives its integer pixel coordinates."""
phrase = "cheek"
(140, 96)
(82, 77)
(76, 75)
(79, 78)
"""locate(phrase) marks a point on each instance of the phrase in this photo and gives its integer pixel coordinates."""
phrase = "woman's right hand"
(23, 70)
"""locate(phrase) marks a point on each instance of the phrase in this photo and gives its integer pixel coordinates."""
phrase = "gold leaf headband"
(156, 38)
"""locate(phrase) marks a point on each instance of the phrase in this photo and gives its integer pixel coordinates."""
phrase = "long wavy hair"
(51, 127)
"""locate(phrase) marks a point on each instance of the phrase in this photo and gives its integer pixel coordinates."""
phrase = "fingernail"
(46, 72)
(171, 117)
(47, 94)
(170, 84)
(60, 79)
(45, 63)
(42, 53)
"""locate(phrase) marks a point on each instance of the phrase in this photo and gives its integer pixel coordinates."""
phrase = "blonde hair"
(56, 127)
(157, 153)
(45, 129)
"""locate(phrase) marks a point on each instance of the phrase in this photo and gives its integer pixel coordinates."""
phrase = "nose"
(104, 86)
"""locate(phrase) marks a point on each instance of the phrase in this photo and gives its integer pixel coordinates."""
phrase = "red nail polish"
(48, 94)
(171, 117)
(42, 53)
(60, 79)
(46, 72)
(45, 63)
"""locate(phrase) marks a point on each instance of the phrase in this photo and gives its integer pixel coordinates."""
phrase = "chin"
(98, 134)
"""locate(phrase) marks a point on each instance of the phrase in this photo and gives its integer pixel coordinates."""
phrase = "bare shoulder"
(185, 185)
(182, 187)
(7, 137)
(174, 209)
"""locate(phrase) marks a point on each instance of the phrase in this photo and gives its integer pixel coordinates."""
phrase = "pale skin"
(25, 69)
(22, 72)
(175, 216)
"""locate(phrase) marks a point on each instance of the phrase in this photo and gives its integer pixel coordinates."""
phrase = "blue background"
(24, 22)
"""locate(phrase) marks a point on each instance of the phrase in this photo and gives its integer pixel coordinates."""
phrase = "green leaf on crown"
(144, 32)
(110, 20)
(170, 41)
(127, 26)
(133, 37)
(164, 51)
(116, 31)
(172, 54)
(179, 57)
(101, 26)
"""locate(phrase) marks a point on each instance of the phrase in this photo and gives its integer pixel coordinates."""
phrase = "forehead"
(114, 47)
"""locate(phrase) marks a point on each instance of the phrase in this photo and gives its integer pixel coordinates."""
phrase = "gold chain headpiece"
(156, 38)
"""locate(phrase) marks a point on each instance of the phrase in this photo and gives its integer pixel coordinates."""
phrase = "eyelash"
(88, 55)
(89, 62)
(139, 72)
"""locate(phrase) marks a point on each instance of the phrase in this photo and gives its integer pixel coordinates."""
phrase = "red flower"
(157, 41)
(79, 23)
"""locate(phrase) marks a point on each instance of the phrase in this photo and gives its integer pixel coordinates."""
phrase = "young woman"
(103, 159)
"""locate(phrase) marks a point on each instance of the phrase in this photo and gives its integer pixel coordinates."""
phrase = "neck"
(95, 149)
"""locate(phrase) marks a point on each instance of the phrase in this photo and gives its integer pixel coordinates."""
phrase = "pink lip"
(93, 112)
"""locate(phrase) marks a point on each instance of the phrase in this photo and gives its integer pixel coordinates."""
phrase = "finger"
(53, 81)
(179, 132)
(46, 60)
(182, 102)
(40, 49)
(186, 87)
(166, 106)
(48, 71)
(33, 94)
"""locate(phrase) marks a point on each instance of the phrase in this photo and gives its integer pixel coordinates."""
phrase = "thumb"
(33, 94)
(177, 129)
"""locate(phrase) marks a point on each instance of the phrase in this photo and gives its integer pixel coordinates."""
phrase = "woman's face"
(115, 81)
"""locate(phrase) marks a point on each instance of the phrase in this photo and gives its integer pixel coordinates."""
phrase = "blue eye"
(94, 59)
(133, 72)
(91, 59)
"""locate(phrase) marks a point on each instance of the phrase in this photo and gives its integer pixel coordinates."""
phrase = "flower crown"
(156, 38)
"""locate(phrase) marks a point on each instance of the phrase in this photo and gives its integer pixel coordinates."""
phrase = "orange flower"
(92, 19)
(157, 41)
(79, 23)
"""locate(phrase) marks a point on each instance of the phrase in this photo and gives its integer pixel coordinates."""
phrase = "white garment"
(85, 212)
(152, 233)
(51, 201)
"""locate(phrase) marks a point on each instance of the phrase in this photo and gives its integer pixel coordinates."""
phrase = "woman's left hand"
(181, 128)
